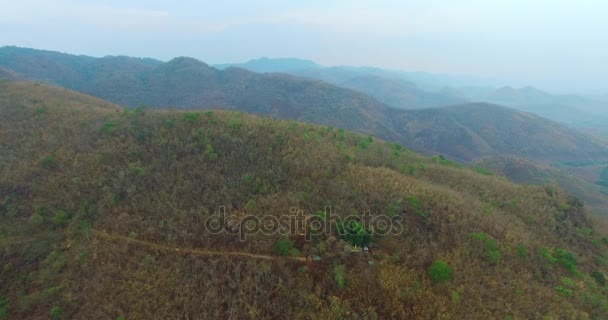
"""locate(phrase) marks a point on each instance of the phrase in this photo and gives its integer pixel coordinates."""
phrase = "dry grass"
(155, 176)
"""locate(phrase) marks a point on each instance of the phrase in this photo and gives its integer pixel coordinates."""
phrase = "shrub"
(285, 248)
(439, 159)
(3, 307)
(483, 171)
(584, 232)
(363, 142)
(393, 209)
(108, 127)
(191, 117)
(128, 112)
(341, 135)
(41, 110)
(41, 210)
(84, 227)
(235, 124)
(141, 109)
(522, 251)
(600, 261)
(8, 205)
(599, 278)
(339, 274)
(48, 162)
(210, 117)
(56, 313)
(414, 204)
(354, 233)
(140, 171)
(566, 259)
(148, 260)
(568, 282)
(550, 191)
(36, 220)
(321, 214)
(81, 258)
(210, 152)
(170, 123)
(440, 271)
(61, 218)
(493, 256)
(564, 291)
(490, 245)
(546, 255)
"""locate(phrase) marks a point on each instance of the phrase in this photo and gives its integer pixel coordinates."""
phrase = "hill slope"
(6, 74)
(526, 171)
(464, 132)
(580, 112)
(472, 131)
(191, 84)
(392, 88)
(416, 90)
(82, 177)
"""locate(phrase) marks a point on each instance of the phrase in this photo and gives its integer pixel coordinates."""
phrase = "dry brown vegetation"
(74, 164)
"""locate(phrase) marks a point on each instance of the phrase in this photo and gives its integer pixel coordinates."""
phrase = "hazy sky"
(553, 44)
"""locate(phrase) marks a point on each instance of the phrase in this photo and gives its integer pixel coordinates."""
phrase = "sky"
(556, 45)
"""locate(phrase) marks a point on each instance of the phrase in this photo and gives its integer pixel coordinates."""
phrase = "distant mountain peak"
(265, 64)
(186, 61)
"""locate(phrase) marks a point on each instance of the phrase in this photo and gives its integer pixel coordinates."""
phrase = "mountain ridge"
(150, 180)
(189, 83)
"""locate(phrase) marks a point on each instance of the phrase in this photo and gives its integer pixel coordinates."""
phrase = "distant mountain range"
(262, 65)
(415, 90)
(465, 132)
(393, 88)
(470, 131)
(570, 109)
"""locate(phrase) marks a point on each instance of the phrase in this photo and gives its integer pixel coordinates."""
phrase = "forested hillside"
(104, 214)
(592, 193)
(463, 132)
(472, 131)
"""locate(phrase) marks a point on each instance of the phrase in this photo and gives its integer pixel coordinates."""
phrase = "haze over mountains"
(457, 132)
(414, 90)
(428, 160)
(366, 100)
(394, 88)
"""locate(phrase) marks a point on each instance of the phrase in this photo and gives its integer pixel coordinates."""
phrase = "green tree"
(440, 271)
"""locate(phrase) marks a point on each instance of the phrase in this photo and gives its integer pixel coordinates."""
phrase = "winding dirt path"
(198, 252)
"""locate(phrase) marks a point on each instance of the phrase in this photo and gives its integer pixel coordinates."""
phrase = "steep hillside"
(472, 131)
(525, 171)
(191, 84)
(416, 90)
(464, 132)
(392, 88)
(573, 110)
(6, 74)
(105, 216)
(80, 73)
